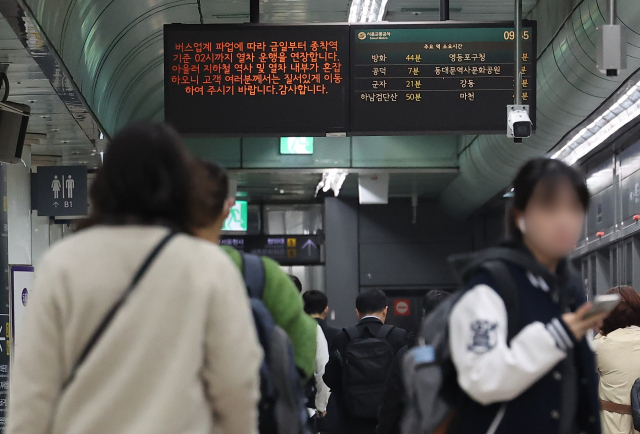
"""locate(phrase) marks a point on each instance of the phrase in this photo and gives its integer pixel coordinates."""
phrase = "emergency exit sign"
(237, 220)
(296, 145)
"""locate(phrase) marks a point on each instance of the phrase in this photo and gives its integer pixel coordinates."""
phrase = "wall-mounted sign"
(61, 191)
(22, 279)
(284, 249)
(296, 145)
(402, 307)
(238, 218)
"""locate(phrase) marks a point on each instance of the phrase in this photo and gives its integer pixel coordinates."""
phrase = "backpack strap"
(506, 288)
(353, 333)
(253, 273)
(384, 331)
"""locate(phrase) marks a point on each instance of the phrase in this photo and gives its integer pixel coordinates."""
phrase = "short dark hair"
(432, 299)
(371, 301)
(296, 281)
(145, 179)
(315, 302)
(550, 173)
(212, 189)
(626, 314)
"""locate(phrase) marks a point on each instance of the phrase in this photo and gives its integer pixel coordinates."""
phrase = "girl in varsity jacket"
(544, 380)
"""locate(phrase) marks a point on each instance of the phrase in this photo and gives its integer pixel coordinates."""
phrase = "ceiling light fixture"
(332, 180)
(623, 111)
(367, 11)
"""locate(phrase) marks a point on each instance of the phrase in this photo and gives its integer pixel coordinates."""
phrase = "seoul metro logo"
(362, 36)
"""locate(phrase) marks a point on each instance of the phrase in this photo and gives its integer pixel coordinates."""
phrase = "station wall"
(609, 252)
(379, 246)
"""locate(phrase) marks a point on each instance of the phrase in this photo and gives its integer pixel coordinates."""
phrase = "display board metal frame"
(180, 110)
(499, 110)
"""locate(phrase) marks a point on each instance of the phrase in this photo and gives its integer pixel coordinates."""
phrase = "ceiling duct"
(570, 88)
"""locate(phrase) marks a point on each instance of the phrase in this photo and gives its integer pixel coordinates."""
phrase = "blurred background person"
(316, 305)
(316, 391)
(618, 354)
(280, 295)
(191, 296)
(392, 407)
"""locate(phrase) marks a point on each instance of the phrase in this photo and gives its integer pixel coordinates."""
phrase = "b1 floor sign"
(402, 307)
(61, 191)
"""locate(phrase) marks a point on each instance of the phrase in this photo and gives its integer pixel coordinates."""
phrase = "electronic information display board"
(257, 79)
(431, 77)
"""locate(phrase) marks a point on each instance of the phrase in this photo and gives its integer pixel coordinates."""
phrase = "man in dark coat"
(371, 308)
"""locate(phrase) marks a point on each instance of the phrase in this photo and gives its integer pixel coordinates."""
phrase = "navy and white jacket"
(543, 381)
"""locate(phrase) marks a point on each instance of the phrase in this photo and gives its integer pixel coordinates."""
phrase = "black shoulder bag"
(116, 307)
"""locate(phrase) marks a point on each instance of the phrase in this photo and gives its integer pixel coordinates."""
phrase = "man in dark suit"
(371, 308)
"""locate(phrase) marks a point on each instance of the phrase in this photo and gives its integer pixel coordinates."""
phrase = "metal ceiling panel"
(461, 10)
(564, 101)
(113, 49)
(290, 184)
(53, 128)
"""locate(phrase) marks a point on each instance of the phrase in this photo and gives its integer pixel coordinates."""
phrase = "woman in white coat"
(180, 355)
(618, 352)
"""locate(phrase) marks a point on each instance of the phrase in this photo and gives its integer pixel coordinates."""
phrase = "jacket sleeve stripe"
(562, 332)
(554, 333)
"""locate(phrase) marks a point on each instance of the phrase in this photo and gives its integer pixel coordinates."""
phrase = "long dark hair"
(550, 173)
(212, 190)
(145, 179)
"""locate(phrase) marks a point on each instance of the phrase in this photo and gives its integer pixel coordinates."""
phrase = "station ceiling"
(113, 52)
(60, 126)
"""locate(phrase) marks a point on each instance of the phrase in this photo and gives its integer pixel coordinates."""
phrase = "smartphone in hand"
(603, 304)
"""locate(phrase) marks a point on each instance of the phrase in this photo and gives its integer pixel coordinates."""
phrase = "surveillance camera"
(519, 124)
(611, 49)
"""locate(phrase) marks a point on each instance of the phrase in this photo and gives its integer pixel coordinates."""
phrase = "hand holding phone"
(590, 315)
(603, 304)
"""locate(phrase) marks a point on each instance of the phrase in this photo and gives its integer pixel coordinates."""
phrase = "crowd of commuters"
(140, 323)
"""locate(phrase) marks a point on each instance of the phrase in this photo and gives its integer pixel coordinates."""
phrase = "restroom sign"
(402, 307)
(61, 191)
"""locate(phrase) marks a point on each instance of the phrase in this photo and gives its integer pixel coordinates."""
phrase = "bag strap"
(253, 273)
(353, 333)
(506, 288)
(116, 307)
(384, 331)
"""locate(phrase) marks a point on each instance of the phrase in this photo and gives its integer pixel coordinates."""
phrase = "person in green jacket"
(281, 297)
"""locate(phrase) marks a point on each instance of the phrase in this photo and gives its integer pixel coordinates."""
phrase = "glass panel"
(614, 266)
(593, 276)
(628, 257)
(311, 276)
(293, 219)
(585, 275)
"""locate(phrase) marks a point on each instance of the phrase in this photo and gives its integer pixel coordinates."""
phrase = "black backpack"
(365, 365)
(281, 409)
(635, 404)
